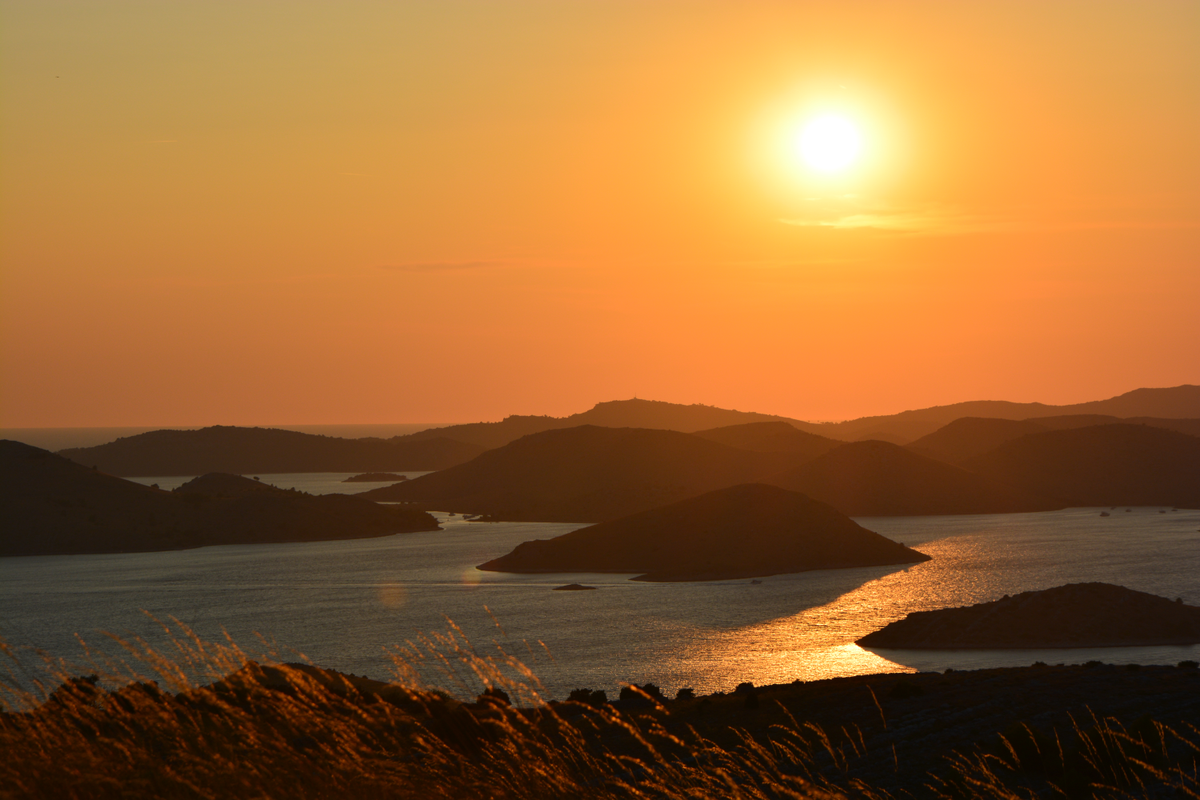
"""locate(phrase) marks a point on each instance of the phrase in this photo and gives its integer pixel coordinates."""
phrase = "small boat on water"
(1105, 514)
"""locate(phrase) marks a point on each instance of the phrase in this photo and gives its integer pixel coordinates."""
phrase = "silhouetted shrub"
(588, 697)
(686, 693)
(495, 696)
(643, 696)
(1188, 665)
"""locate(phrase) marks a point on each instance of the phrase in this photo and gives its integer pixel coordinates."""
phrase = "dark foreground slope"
(746, 531)
(1104, 465)
(53, 506)
(584, 474)
(265, 450)
(298, 731)
(866, 479)
(1075, 615)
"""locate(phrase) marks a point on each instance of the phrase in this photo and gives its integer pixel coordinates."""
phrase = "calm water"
(343, 604)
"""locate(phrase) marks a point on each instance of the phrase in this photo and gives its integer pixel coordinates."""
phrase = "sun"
(829, 143)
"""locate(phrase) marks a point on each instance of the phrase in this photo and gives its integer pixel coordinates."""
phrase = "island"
(744, 531)
(53, 506)
(1074, 615)
(376, 477)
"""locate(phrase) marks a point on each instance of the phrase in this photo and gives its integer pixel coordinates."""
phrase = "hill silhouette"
(1180, 402)
(1102, 465)
(1075, 615)
(771, 437)
(51, 505)
(648, 414)
(745, 531)
(584, 474)
(966, 438)
(883, 479)
(265, 450)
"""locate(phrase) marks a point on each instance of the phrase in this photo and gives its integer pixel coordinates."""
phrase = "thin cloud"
(846, 213)
(443, 266)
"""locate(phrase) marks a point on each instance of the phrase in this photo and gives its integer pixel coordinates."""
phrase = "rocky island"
(1074, 615)
(745, 531)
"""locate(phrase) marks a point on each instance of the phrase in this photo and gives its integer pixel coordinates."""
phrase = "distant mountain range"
(1180, 402)
(264, 450)
(52, 506)
(594, 474)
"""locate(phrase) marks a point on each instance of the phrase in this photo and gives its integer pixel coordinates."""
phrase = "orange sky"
(318, 212)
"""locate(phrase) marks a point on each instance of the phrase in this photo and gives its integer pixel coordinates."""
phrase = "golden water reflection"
(974, 560)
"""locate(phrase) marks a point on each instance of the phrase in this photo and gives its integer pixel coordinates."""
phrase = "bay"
(349, 605)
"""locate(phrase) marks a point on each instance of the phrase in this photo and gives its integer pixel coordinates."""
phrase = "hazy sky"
(314, 212)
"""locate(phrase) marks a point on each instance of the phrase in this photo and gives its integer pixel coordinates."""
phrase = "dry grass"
(201, 720)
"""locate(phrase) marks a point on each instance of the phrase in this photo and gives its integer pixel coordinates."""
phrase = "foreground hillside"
(249, 451)
(54, 506)
(298, 731)
(746, 531)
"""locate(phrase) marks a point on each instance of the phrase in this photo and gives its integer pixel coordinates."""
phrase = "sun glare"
(829, 143)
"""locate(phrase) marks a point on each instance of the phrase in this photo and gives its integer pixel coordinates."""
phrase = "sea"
(414, 606)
